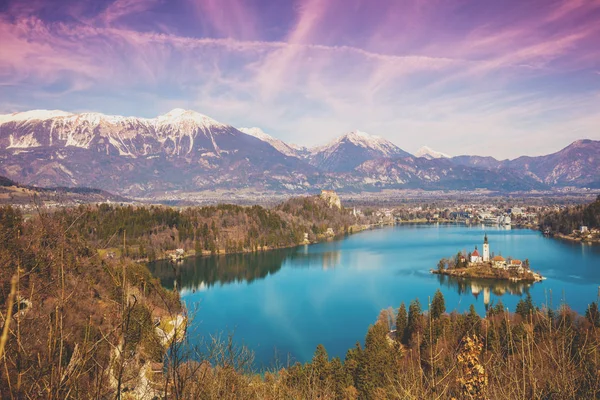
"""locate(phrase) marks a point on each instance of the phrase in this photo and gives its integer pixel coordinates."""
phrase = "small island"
(475, 265)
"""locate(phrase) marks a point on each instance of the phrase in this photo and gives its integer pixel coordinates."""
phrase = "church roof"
(475, 253)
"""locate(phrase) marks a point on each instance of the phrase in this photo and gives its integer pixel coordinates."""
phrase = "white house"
(516, 265)
(475, 257)
(499, 262)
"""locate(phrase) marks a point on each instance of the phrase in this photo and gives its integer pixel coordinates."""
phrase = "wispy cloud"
(414, 71)
(229, 18)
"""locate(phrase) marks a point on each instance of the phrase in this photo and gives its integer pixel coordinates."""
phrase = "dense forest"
(150, 231)
(77, 325)
(572, 218)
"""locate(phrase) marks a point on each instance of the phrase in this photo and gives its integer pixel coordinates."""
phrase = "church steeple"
(486, 249)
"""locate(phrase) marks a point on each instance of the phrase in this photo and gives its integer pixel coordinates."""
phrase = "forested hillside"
(150, 231)
(78, 326)
(572, 218)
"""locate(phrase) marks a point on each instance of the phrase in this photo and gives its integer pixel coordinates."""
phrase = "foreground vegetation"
(78, 326)
(73, 325)
(534, 353)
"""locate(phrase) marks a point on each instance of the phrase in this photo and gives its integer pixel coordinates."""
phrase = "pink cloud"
(122, 8)
(230, 18)
(339, 66)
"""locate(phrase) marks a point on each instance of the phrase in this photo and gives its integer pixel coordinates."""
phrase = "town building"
(499, 262)
(475, 257)
(516, 265)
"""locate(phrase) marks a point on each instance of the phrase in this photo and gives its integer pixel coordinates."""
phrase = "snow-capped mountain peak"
(429, 153)
(257, 133)
(364, 140)
(350, 150)
(41, 115)
(179, 115)
(281, 146)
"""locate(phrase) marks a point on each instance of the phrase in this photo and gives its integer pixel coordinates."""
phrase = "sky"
(488, 77)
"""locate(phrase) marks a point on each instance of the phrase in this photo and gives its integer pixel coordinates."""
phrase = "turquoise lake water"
(284, 303)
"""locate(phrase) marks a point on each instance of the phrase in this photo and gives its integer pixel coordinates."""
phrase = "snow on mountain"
(33, 115)
(360, 139)
(430, 154)
(176, 130)
(181, 149)
(189, 151)
(352, 149)
(280, 145)
(180, 116)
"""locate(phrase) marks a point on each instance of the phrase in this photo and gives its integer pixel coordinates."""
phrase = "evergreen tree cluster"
(435, 354)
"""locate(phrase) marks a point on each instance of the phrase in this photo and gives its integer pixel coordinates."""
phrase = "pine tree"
(401, 323)
(377, 364)
(592, 314)
(338, 376)
(438, 305)
(473, 321)
(320, 363)
(525, 307)
(414, 323)
(351, 363)
(499, 308)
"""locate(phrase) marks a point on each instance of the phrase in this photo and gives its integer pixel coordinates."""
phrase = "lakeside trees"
(74, 311)
(150, 231)
(572, 218)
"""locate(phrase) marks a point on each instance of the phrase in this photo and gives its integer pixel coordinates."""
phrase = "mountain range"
(185, 151)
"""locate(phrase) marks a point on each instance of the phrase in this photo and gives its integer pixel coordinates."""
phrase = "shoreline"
(488, 272)
(571, 238)
(206, 253)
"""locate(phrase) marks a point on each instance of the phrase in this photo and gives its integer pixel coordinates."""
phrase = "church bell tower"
(486, 249)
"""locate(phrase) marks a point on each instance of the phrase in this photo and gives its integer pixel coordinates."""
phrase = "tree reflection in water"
(198, 273)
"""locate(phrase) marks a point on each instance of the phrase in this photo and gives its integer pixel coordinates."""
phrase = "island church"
(476, 257)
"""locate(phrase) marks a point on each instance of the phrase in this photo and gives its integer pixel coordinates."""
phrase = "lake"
(283, 303)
